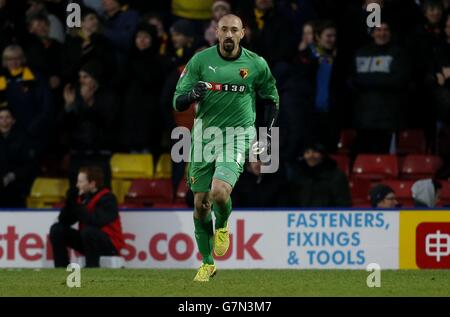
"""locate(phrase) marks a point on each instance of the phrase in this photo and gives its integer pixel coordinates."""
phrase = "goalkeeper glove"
(198, 92)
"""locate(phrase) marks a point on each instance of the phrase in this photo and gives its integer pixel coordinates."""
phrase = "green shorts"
(224, 162)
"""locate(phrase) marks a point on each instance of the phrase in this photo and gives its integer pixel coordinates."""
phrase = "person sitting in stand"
(94, 207)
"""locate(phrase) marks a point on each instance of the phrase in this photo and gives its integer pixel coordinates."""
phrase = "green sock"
(222, 214)
(204, 236)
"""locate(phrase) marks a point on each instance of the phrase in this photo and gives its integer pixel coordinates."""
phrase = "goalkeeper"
(223, 81)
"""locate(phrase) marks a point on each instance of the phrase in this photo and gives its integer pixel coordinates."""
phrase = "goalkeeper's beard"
(228, 46)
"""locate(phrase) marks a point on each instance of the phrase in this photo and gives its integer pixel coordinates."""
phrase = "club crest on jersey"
(243, 72)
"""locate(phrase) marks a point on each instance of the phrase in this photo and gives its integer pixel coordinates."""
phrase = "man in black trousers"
(95, 208)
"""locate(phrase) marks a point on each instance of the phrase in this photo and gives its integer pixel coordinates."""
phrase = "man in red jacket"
(94, 207)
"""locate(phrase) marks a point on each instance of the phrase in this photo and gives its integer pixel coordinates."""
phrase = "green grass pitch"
(259, 283)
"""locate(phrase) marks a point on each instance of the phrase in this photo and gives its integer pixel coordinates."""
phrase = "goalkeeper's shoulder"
(203, 54)
(258, 59)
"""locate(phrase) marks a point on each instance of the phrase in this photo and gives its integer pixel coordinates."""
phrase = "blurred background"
(359, 105)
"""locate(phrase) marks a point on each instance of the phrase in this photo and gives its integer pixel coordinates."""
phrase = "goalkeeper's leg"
(204, 236)
(220, 193)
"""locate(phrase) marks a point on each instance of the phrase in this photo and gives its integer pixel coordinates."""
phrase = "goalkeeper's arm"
(270, 118)
(271, 114)
(197, 93)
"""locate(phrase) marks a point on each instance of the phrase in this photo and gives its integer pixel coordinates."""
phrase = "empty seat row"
(131, 166)
(141, 192)
(377, 167)
(407, 142)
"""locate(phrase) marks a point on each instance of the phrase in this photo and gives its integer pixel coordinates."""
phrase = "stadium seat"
(359, 189)
(46, 192)
(411, 142)
(402, 189)
(346, 141)
(418, 166)
(120, 188)
(343, 162)
(130, 166)
(147, 192)
(182, 191)
(164, 166)
(445, 194)
(375, 167)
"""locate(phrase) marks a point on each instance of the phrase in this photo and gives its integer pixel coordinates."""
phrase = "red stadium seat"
(411, 142)
(445, 194)
(402, 189)
(346, 141)
(418, 166)
(375, 167)
(182, 191)
(147, 192)
(359, 189)
(343, 162)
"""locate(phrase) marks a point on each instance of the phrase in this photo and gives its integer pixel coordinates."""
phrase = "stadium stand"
(375, 167)
(417, 166)
(346, 141)
(130, 166)
(402, 189)
(411, 142)
(360, 192)
(445, 194)
(164, 166)
(343, 162)
(46, 192)
(147, 192)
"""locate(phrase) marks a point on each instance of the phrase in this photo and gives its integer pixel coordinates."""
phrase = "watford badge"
(243, 72)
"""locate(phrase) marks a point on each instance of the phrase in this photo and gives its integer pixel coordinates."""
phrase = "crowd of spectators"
(72, 97)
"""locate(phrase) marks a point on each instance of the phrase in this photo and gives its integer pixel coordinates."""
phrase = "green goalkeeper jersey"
(234, 83)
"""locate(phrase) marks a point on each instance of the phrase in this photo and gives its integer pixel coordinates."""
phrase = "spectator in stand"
(95, 5)
(56, 28)
(307, 36)
(185, 45)
(17, 161)
(12, 26)
(196, 11)
(381, 76)
(184, 41)
(43, 53)
(28, 95)
(299, 12)
(89, 117)
(438, 79)
(94, 208)
(120, 27)
(383, 196)
(353, 24)
(316, 181)
(422, 43)
(308, 102)
(254, 190)
(219, 9)
(140, 124)
(163, 37)
(426, 193)
(268, 33)
(86, 44)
